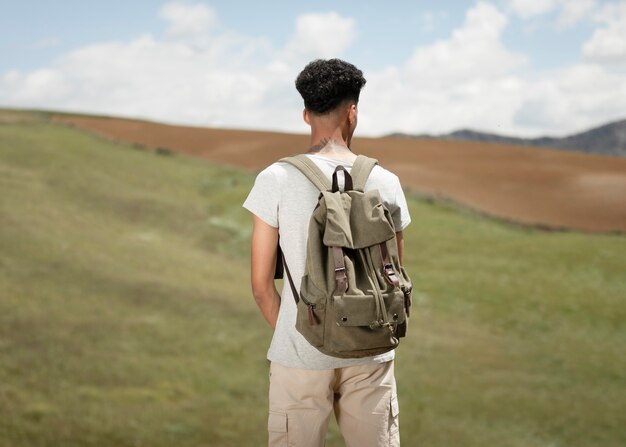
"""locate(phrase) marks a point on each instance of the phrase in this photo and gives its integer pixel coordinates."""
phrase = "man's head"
(330, 89)
(327, 84)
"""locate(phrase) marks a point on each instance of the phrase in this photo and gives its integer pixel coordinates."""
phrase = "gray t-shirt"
(284, 198)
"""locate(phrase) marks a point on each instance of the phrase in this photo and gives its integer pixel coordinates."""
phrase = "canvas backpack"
(355, 297)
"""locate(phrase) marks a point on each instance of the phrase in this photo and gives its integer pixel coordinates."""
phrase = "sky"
(516, 67)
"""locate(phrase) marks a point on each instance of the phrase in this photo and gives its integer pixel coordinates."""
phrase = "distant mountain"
(609, 139)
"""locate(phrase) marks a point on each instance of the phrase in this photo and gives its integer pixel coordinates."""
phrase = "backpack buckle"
(342, 280)
(407, 299)
(390, 275)
(340, 271)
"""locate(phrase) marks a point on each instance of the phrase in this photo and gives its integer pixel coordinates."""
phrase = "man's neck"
(331, 145)
(326, 144)
(334, 149)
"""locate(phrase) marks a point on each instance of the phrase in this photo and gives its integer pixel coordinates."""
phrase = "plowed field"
(535, 186)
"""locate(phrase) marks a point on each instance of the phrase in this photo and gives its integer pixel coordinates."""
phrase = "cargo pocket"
(394, 422)
(277, 429)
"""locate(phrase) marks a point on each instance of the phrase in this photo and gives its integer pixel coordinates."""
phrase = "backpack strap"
(361, 170)
(294, 291)
(305, 165)
(347, 184)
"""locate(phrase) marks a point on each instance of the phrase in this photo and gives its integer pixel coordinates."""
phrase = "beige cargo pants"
(364, 399)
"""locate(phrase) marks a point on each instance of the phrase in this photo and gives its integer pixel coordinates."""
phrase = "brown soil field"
(532, 186)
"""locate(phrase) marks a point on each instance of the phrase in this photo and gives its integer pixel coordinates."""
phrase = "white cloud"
(473, 51)
(572, 99)
(167, 80)
(45, 85)
(188, 19)
(608, 43)
(320, 36)
(11, 77)
(568, 13)
(467, 80)
(573, 12)
(531, 8)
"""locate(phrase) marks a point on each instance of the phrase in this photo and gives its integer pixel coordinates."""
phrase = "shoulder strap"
(294, 291)
(361, 170)
(310, 170)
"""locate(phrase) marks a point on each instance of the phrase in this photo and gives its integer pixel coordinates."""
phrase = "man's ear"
(305, 116)
(353, 113)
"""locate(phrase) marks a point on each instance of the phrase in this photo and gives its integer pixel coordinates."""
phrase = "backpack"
(355, 297)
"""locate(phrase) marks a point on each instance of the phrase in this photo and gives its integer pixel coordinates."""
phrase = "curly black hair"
(325, 84)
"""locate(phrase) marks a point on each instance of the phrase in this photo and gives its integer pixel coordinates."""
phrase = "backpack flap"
(355, 219)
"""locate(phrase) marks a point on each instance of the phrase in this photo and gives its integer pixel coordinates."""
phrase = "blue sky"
(522, 67)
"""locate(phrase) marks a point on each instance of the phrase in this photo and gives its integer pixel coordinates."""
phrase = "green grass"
(126, 317)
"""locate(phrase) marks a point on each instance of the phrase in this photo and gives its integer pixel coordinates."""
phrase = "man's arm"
(400, 241)
(263, 263)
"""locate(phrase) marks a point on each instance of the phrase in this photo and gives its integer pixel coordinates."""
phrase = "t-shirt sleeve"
(400, 215)
(264, 198)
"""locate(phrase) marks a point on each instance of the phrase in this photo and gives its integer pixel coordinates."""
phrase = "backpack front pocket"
(356, 318)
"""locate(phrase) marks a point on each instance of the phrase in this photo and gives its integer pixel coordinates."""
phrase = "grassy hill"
(126, 317)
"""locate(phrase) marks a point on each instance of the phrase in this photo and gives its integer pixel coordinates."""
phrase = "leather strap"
(361, 170)
(340, 271)
(310, 170)
(310, 307)
(407, 299)
(388, 271)
(347, 184)
(294, 292)
(279, 270)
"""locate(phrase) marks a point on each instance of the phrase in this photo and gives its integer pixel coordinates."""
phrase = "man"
(305, 384)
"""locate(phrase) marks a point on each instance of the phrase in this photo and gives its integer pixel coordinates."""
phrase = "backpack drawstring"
(382, 319)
